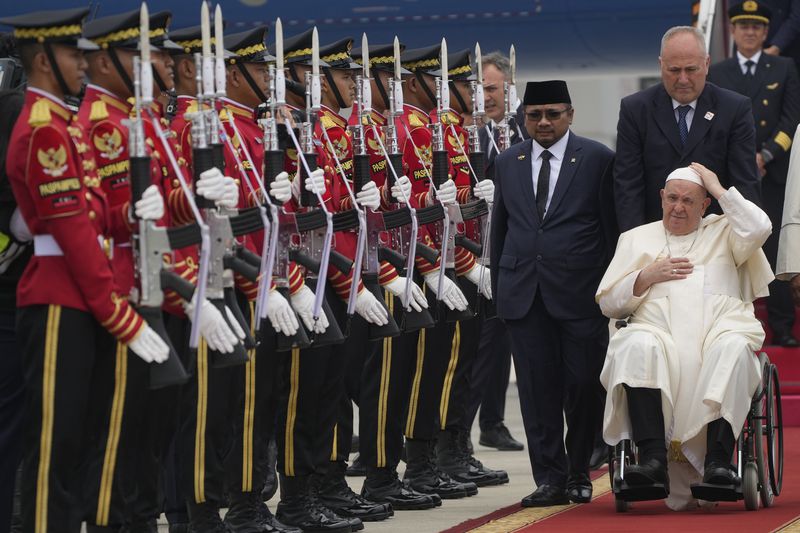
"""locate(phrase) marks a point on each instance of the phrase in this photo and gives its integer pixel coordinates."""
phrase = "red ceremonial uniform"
(63, 204)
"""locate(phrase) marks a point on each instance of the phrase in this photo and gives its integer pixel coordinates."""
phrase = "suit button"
(763, 123)
(92, 215)
(765, 102)
(538, 257)
(88, 196)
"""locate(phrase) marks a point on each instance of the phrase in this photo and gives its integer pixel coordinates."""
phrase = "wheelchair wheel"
(774, 430)
(750, 487)
(760, 452)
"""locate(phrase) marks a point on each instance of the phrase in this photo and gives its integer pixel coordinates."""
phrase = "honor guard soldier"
(387, 370)
(247, 86)
(772, 84)
(71, 309)
(415, 139)
(452, 452)
(338, 92)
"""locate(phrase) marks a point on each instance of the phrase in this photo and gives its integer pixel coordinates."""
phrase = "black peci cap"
(546, 92)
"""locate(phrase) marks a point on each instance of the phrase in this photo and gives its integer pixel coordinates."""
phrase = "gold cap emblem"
(750, 6)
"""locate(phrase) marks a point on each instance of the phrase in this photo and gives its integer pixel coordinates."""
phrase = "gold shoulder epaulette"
(327, 122)
(99, 111)
(414, 120)
(40, 113)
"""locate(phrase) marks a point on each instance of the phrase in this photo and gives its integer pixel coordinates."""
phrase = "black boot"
(452, 458)
(424, 476)
(141, 526)
(499, 476)
(271, 481)
(272, 524)
(335, 494)
(204, 517)
(243, 515)
(299, 507)
(383, 485)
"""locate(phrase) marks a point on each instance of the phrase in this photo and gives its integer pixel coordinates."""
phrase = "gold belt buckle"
(107, 245)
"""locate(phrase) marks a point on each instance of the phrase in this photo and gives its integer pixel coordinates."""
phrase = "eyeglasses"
(550, 114)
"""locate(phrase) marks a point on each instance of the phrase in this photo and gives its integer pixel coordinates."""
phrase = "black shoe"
(545, 496)
(383, 485)
(579, 488)
(246, 513)
(465, 445)
(787, 340)
(204, 517)
(271, 481)
(424, 476)
(599, 456)
(451, 456)
(272, 524)
(300, 508)
(499, 437)
(719, 474)
(650, 472)
(336, 495)
(357, 468)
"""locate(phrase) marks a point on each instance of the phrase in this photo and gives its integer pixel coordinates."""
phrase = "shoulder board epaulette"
(40, 113)
(99, 111)
(327, 122)
(414, 120)
(223, 113)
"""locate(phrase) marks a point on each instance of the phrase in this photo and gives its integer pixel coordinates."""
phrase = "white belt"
(46, 246)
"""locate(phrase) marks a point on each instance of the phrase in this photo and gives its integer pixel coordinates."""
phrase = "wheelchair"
(758, 457)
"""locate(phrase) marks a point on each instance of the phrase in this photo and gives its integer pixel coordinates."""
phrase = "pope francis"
(680, 377)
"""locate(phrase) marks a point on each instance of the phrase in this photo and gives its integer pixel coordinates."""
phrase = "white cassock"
(788, 264)
(692, 338)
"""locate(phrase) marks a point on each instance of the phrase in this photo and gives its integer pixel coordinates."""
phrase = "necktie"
(543, 185)
(748, 73)
(683, 128)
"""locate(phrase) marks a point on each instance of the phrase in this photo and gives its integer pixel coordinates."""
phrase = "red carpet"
(600, 515)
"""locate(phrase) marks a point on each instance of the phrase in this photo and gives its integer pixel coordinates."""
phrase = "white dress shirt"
(557, 158)
(743, 60)
(689, 115)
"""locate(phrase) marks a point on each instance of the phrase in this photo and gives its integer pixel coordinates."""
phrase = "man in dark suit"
(771, 83)
(549, 252)
(677, 122)
(784, 29)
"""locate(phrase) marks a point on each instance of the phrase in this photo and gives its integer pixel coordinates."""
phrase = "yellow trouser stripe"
(291, 413)
(386, 365)
(200, 423)
(48, 415)
(112, 441)
(444, 402)
(249, 410)
(334, 455)
(412, 406)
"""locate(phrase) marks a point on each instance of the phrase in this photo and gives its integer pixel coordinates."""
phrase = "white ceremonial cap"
(685, 173)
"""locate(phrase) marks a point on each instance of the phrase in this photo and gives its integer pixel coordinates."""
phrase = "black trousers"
(308, 408)
(69, 374)
(780, 307)
(255, 410)
(558, 365)
(490, 375)
(458, 386)
(206, 437)
(385, 387)
(12, 403)
(434, 349)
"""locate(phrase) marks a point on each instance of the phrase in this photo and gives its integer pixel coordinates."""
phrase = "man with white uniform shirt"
(681, 375)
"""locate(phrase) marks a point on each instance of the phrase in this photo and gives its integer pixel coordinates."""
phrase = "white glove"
(213, 327)
(230, 198)
(398, 288)
(281, 188)
(484, 283)
(446, 193)
(451, 295)
(371, 309)
(211, 185)
(314, 183)
(484, 190)
(369, 196)
(149, 346)
(280, 314)
(151, 204)
(19, 229)
(401, 190)
(303, 303)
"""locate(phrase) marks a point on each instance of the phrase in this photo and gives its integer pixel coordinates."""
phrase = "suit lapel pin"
(572, 160)
(709, 115)
(521, 157)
